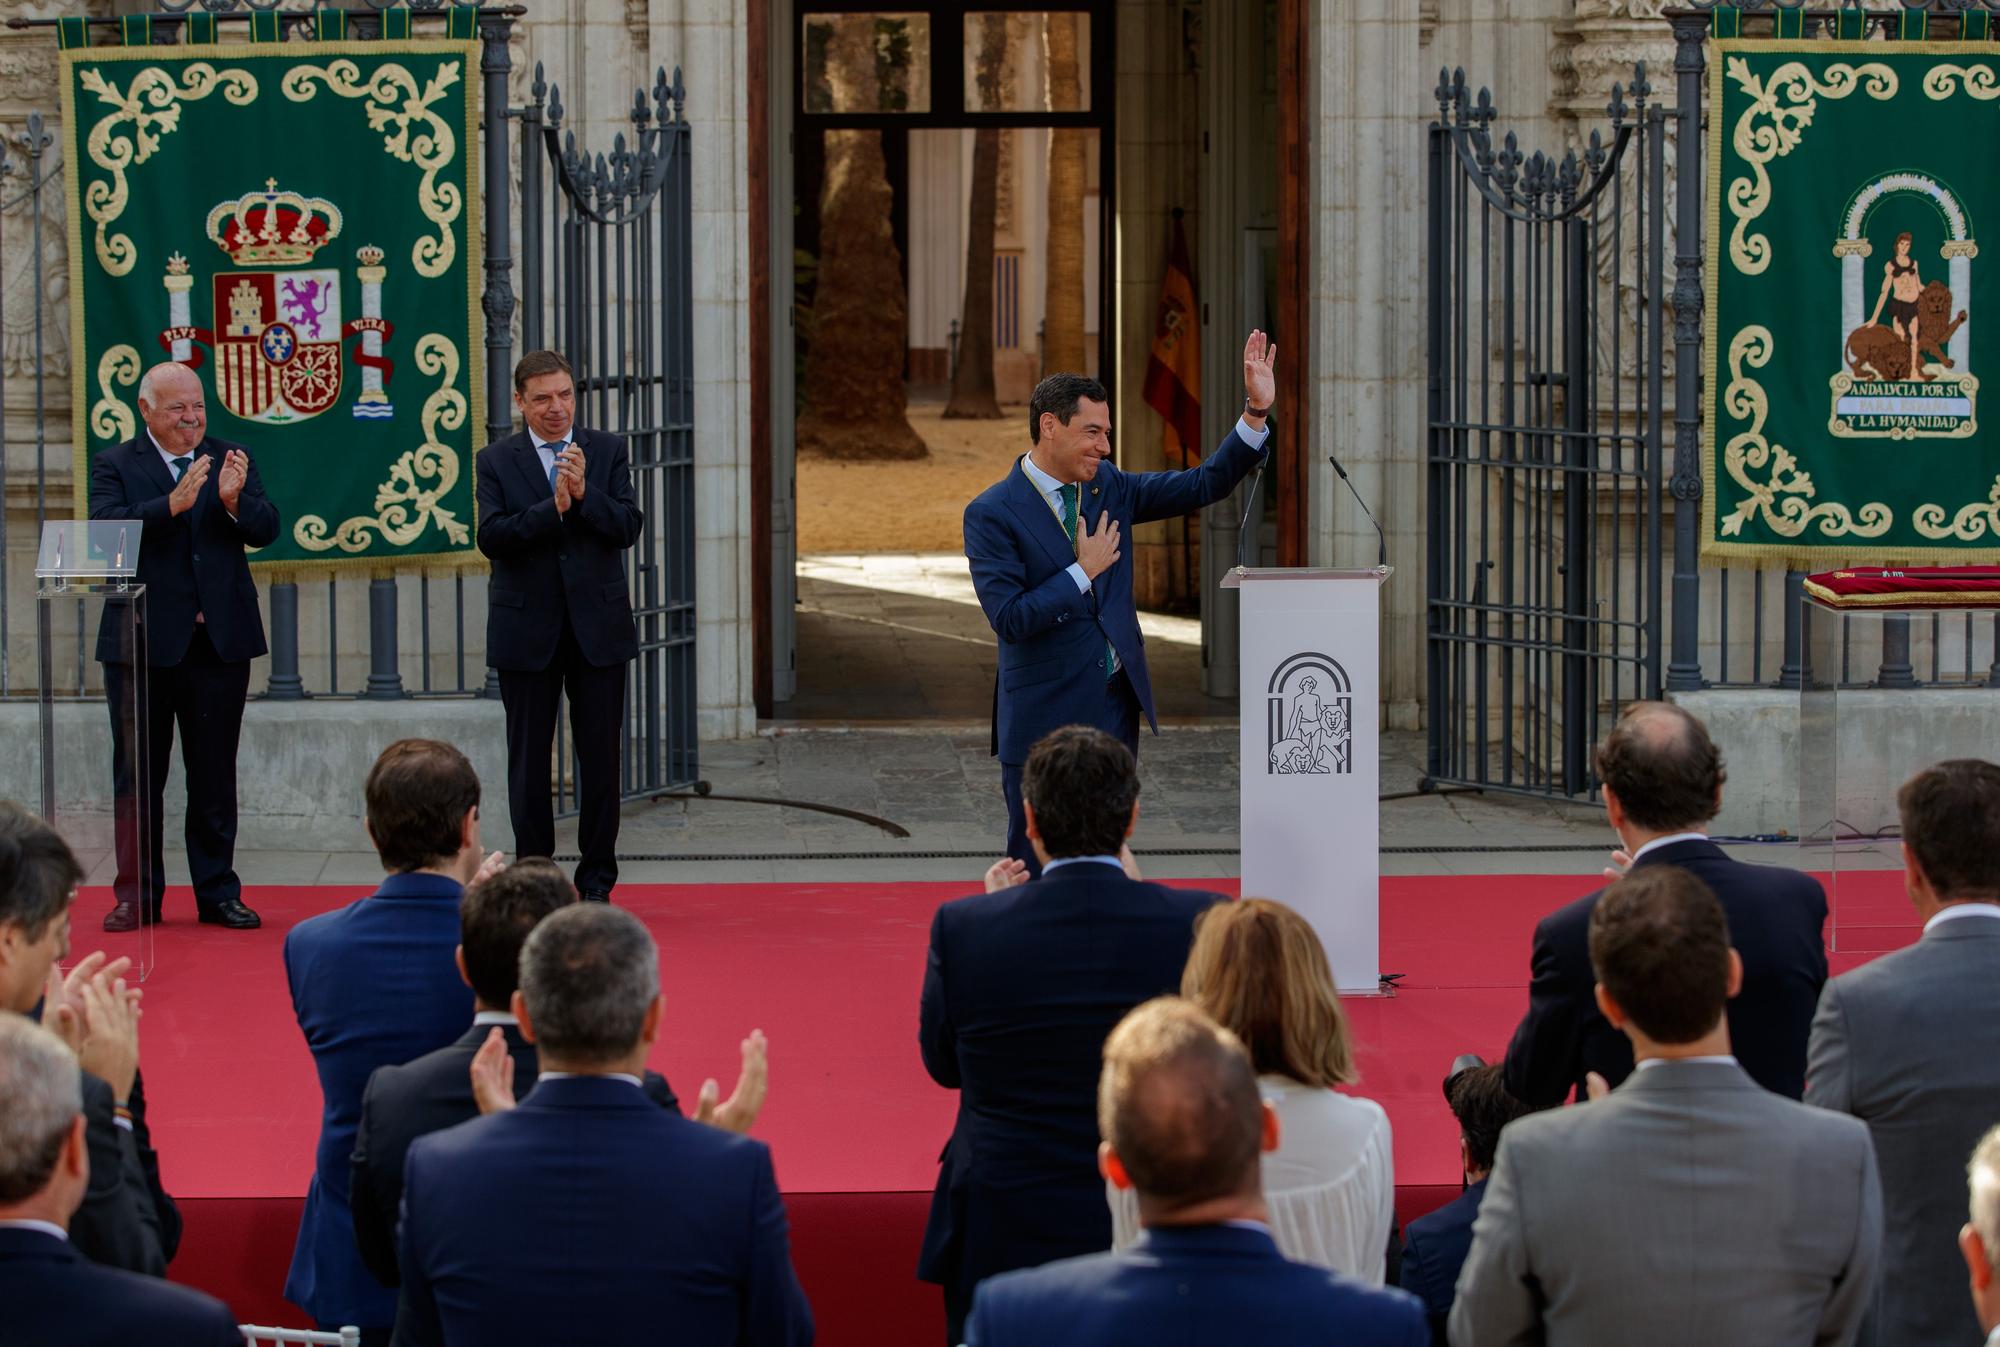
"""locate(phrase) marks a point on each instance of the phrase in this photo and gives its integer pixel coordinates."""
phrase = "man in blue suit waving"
(1045, 545)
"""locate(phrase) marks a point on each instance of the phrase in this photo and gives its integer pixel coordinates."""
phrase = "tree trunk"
(855, 400)
(973, 396)
(1062, 296)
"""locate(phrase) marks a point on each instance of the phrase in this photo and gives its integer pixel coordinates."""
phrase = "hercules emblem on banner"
(277, 328)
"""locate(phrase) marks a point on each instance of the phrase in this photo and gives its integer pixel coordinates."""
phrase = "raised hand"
(229, 485)
(1621, 862)
(1005, 873)
(491, 866)
(181, 499)
(741, 1109)
(493, 1074)
(1260, 380)
(1097, 546)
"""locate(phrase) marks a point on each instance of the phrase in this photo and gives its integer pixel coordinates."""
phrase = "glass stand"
(90, 624)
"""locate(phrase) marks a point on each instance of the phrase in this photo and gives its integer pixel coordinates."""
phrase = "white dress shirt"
(46, 1227)
(1955, 911)
(1061, 861)
(486, 1017)
(1330, 1186)
(546, 450)
(1724, 1058)
(1671, 840)
(625, 1076)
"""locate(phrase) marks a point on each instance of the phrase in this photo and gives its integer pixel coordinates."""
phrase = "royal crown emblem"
(277, 326)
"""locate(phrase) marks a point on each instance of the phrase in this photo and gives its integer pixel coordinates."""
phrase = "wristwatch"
(1259, 412)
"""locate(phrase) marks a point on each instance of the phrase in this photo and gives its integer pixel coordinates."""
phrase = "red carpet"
(831, 974)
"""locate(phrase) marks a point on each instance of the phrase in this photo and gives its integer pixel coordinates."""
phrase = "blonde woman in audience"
(1259, 970)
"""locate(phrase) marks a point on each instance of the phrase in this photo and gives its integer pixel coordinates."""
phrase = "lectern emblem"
(1308, 718)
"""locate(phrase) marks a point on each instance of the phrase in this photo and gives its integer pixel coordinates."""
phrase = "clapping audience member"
(1023, 983)
(1183, 1127)
(1260, 971)
(1689, 1205)
(1662, 781)
(126, 1219)
(1979, 1241)
(1435, 1245)
(670, 1231)
(49, 1293)
(1910, 1044)
(373, 984)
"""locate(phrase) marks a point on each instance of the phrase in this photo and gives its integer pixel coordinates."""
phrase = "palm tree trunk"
(1062, 297)
(972, 384)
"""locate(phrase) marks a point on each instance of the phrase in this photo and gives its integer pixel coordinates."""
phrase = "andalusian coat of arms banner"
(1849, 183)
(299, 224)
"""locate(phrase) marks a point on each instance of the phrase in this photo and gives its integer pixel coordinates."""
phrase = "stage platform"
(831, 974)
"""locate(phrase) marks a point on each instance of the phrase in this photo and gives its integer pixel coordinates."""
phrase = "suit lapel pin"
(1093, 491)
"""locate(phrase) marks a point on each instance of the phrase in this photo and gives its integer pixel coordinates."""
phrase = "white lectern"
(1311, 674)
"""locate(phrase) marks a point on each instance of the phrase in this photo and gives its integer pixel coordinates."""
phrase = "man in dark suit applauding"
(1046, 547)
(434, 1092)
(200, 504)
(586, 1214)
(1662, 782)
(50, 1293)
(1022, 986)
(1183, 1125)
(556, 514)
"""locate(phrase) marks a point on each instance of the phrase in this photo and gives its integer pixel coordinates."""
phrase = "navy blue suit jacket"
(1434, 1249)
(1051, 634)
(1198, 1285)
(1021, 990)
(1775, 921)
(191, 562)
(50, 1293)
(589, 1215)
(548, 565)
(373, 984)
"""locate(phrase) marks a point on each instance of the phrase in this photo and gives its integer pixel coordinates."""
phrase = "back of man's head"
(38, 872)
(1665, 770)
(1660, 944)
(41, 1094)
(1178, 1103)
(1480, 1102)
(1082, 784)
(1951, 825)
(418, 795)
(495, 917)
(589, 974)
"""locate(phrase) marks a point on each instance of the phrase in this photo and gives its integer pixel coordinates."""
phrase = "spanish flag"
(1173, 371)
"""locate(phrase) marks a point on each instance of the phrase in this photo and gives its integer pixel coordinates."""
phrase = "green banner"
(1844, 276)
(298, 223)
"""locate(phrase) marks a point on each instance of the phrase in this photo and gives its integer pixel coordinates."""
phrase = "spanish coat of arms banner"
(297, 222)
(1848, 185)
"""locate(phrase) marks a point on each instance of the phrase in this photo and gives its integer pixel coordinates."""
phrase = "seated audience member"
(1022, 986)
(670, 1231)
(49, 1293)
(434, 1092)
(373, 984)
(1910, 1044)
(1435, 1244)
(1979, 1241)
(1662, 782)
(1183, 1127)
(1689, 1205)
(126, 1219)
(1260, 971)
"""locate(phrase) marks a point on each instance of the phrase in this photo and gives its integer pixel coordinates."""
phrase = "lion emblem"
(1877, 352)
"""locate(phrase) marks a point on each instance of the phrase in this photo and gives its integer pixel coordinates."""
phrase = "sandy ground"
(907, 507)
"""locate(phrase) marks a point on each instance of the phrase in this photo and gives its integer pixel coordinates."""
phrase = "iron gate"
(607, 278)
(1547, 306)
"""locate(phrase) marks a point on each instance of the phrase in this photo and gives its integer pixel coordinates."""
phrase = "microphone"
(1381, 538)
(1249, 504)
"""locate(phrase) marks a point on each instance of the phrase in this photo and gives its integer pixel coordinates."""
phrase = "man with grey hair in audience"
(670, 1230)
(1979, 1241)
(50, 1293)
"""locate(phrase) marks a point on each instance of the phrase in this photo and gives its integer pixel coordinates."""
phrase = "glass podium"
(1866, 725)
(90, 630)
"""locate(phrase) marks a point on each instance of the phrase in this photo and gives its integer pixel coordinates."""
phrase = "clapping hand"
(181, 499)
(1595, 1086)
(569, 469)
(491, 866)
(1128, 862)
(1621, 865)
(1005, 873)
(229, 486)
(97, 1014)
(493, 1074)
(740, 1110)
(1260, 380)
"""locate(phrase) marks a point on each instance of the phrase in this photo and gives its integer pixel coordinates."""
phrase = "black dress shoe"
(231, 913)
(597, 895)
(122, 917)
